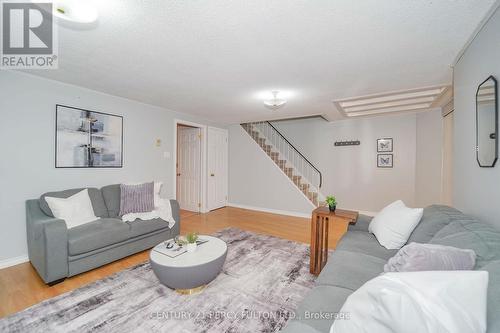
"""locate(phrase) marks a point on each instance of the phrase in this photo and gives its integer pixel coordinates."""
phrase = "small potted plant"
(191, 239)
(331, 202)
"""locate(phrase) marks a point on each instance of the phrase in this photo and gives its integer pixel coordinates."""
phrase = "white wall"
(27, 111)
(255, 181)
(350, 173)
(429, 162)
(476, 190)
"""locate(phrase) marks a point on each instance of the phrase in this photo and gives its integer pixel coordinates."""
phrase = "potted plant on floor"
(331, 202)
(191, 239)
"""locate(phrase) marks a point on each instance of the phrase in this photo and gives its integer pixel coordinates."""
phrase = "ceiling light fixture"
(275, 102)
(81, 12)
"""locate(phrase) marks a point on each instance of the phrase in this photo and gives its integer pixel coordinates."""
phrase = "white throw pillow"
(419, 302)
(75, 210)
(393, 225)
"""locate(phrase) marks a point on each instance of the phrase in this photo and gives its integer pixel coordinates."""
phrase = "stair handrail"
(298, 152)
(293, 147)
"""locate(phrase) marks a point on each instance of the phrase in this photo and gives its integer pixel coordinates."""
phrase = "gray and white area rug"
(262, 282)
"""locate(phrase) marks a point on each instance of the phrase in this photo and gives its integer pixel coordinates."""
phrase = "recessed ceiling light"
(75, 11)
(275, 102)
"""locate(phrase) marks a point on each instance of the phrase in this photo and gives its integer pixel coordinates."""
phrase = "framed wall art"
(88, 139)
(385, 160)
(384, 145)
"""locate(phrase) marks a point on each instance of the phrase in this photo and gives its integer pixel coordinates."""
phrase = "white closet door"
(217, 168)
(189, 168)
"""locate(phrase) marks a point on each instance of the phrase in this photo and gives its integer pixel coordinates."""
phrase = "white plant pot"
(191, 247)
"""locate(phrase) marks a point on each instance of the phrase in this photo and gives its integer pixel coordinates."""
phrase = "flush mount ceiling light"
(393, 102)
(75, 12)
(275, 102)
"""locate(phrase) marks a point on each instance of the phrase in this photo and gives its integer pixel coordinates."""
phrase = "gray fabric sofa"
(57, 252)
(359, 258)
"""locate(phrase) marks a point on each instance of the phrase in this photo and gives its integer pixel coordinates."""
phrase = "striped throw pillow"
(136, 198)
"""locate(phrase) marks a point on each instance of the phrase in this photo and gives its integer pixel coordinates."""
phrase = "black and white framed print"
(384, 160)
(384, 145)
(88, 139)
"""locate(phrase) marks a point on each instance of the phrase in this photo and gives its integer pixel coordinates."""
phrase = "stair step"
(273, 153)
(304, 187)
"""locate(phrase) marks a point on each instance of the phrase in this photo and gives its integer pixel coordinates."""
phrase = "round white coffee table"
(188, 272)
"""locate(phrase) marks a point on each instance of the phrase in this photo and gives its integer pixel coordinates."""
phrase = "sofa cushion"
(141, 227)
(493, 308)
(435, 217)
(96, 235)
(319, 308)
(365, 243)
(468, 233)
(350, 269)
(111, 195)
(95, 195)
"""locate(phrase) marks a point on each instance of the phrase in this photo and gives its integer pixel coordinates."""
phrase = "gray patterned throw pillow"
(431, 257)
(136, 198)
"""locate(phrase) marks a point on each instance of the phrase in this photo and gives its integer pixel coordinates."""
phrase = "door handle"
(212, 175)
(178, 175)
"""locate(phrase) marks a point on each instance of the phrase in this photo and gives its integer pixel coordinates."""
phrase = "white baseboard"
(13, 261)
(289, 213)
(273, 211)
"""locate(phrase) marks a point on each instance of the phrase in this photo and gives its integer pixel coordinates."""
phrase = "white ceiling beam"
(391, 96)
(403, 102)
(413, 107)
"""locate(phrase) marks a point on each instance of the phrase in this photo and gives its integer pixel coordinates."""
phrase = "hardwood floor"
(21, 287)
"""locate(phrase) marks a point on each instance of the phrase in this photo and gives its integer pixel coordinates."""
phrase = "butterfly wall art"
(385, 160)
(384, 145)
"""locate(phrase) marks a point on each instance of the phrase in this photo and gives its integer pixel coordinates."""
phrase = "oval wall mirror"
(487, 123)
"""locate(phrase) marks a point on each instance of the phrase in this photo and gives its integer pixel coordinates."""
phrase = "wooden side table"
(321, 218)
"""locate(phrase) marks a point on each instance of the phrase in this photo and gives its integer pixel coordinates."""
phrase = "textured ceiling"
(212, 58)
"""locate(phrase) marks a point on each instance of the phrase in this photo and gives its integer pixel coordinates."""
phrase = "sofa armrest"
(361, 224)
(176, 230)
(47, 243)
